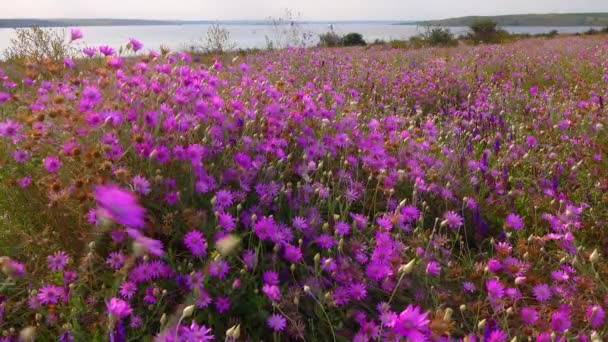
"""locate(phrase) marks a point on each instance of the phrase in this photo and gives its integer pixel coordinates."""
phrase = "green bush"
(486, 31)
(353, 39)
(37, 44)
(330, 39)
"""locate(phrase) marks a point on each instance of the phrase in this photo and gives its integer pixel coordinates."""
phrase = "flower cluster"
(352, 194)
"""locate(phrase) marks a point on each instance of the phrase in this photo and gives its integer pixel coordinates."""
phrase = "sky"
(307, 9)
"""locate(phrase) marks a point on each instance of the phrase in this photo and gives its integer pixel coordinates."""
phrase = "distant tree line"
(482, 31)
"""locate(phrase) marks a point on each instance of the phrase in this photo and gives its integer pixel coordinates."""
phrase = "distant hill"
(19, 23)
(570, 19)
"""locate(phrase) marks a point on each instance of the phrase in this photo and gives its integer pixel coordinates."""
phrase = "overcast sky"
(308, 9)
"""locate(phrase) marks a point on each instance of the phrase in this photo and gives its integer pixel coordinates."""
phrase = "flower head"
(412, 323)
(75, 34)
(196, 243)
(119, 206)
(52, 163)
(119, 308)
(277, 322)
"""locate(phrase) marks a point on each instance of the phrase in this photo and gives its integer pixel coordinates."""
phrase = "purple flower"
(560, 321)
(529, 315)
(222, 304)
(106, 50)
(412, 323)
(595, 315)
(119, 206)
(469, 287)
(196, 243)
(292, 254)
(453, 219)
(514, 221)
(135, 44)
(542, 292)
(21, 156)
(69, 63)
(75, 34)
(272, 292)
(51, 294)
(57, 261)
(495, 289)
(433, 268)
(89, 51)
(144, 245)
(116, 260)
(128, 289)
(52, 164)
(494, 265)
(195, 332)
(119, 308)
(141, 185)
(277, 322)
(116, 62)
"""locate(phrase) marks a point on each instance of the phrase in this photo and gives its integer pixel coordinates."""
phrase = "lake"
(254, 36)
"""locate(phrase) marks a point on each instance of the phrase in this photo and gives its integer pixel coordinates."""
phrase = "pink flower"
(75, 34)
(277, 322)
(119, 308)
(52, 163)
(412, 323)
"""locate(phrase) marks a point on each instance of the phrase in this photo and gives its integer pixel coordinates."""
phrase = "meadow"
(319, 194)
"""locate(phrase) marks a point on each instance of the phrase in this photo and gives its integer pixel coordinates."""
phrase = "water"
(255, 36)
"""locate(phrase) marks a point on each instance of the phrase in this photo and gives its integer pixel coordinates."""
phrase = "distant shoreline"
(539, 20)
(23, 23)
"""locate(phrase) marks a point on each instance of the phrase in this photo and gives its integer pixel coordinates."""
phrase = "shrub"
(217, 40)
(353, 39)
(330, 39)
(486, 31)
(36, 44)
(436, 36)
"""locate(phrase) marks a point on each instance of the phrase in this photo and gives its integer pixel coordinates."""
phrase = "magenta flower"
(495, 289)
(89, 51)
(433, 268)
(51, 294)
(116, 62)
(57, 261)
(119, 308)
(119, 206)
(195, 332)
(514, 221)
(595, 315)
(75, 34)
(277, 322)
(453, 219)
(69, 63)
(196, 243)
(135, 44)
(542, 292)
(292, 254)
(412, 323)
(21, 156)
(116, 260)
(52, 163)
(141, 185)
(145, 245)
(560, 321)
(529, 315)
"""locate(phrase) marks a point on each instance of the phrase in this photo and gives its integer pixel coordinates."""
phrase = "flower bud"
(594, 257)
(27, 334)
(188, 311)
(407, 268)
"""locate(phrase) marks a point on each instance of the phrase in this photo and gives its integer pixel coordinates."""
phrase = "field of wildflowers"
(353, 194)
